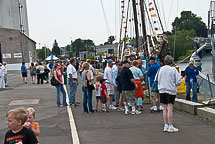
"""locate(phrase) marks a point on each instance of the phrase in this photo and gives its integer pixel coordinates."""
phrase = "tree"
(55, 49)
(111, 39)
(43, 53)
(182, 45)
(190, 21)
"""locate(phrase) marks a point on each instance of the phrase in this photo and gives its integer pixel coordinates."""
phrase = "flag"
(151, 9)
(154, 15)
(150, 3)
(122, 1)
(160, 34)
(155, 22)
(124, 22)
(156, 28)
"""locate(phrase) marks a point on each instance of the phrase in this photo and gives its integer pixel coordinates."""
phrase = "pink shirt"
(59, 75)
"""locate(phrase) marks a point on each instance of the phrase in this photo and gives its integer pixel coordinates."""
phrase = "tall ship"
(204, 57)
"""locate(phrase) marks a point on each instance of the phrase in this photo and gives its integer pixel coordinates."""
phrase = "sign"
(6, 55)
(17, 55)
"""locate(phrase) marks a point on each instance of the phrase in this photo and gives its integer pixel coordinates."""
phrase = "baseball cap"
(126, 61)
(152, 58)
(191, 62)
(102, 80)
(110, 61)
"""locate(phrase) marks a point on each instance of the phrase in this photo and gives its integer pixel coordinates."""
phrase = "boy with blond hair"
(30, 124)
(18, 133)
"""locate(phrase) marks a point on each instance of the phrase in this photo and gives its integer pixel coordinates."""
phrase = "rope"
(163, 14)
(105, 17)
(169, 14)
(175, 31)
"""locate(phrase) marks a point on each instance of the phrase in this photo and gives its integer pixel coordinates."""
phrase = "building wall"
(15, 42)
(101, 49)
(11, 17)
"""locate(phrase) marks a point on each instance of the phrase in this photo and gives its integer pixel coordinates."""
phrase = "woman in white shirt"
(168, 81)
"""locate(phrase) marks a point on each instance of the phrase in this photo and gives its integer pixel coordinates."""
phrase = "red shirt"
(103, 89)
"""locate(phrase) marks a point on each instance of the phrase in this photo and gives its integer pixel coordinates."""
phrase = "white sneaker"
(110, 107)
(172, 129)
(127, 112)
(155, 108)
(136, 112)
(113, 108)
(161, 108)
(152, 108)
(165, 129)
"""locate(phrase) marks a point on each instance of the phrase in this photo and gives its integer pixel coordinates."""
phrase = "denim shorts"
(33, 74)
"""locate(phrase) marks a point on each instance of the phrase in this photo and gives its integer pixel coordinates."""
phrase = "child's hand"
(28, 125)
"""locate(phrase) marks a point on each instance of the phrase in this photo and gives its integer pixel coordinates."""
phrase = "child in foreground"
(30, 124)
(98, 91)
(18, 134)
(103, 95)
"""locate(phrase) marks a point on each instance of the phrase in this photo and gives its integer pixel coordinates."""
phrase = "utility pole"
(136, 26)
(145, 46)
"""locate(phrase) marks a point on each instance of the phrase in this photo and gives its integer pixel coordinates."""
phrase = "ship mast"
(145, 46)
(136, 27)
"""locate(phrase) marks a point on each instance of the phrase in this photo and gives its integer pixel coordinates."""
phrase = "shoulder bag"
(54, 82)
(88, 84)
(155, 84)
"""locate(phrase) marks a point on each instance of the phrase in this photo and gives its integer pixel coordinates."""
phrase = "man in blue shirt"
(152, 71)
(191, 76)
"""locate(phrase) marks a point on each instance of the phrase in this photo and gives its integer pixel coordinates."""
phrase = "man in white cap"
(4, 68)
(2, 84)
(110, 82)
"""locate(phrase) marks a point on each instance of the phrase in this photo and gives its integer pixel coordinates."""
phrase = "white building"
(13, 15)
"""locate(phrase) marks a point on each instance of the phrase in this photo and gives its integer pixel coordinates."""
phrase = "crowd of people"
(122, 87)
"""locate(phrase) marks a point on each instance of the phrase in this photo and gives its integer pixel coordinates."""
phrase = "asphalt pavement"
(98, 128)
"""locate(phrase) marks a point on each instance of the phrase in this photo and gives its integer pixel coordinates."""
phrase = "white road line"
(74, 132)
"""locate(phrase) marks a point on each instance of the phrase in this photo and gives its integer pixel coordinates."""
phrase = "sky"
(66, 20)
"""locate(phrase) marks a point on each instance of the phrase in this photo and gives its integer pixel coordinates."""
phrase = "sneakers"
(165, 129)
(136, 112)
(172, 129)
(126, 112)
(161, 108)
(111, 107)
(120, 109)
(154, 108)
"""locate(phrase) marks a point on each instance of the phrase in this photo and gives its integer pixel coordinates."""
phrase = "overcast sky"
(66, 20)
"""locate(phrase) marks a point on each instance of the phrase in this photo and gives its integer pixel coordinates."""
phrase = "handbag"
(155, 84)
(88, 84)
(54, 82)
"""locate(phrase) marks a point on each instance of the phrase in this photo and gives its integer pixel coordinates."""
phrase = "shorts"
(33, 74)
(154, 94)
(24, 74)
(167, 98)
(129, 96)
(110, 89)
(98, 97)
(104, 100)
(139, 101)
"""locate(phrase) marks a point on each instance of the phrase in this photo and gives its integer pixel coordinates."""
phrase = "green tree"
(55, 48)
(89, 45)
(182, 45)
(111, 39)
(190, 21)
(44, 51)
